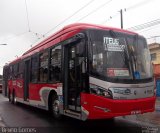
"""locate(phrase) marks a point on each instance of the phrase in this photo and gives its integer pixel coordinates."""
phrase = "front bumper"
(102, 108)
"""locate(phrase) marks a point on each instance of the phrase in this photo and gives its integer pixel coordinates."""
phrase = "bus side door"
(74, 69)
(26, 79)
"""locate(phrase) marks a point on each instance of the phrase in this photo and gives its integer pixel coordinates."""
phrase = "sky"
(24, 23)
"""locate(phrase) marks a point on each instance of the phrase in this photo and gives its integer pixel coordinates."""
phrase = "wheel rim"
(56, 107)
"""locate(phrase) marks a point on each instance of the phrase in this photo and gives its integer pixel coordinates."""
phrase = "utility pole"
(121, 14)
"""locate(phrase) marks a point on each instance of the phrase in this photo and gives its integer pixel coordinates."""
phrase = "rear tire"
(13, 98)
(55, 107)
(9, 97)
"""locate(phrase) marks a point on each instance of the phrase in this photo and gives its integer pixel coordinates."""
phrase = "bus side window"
(43, 70)
(20, 70)
(15, 71)
(34, 69)
(10, 72)
(55, 64)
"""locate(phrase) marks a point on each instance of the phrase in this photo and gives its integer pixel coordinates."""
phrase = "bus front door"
(73, 77)
(26, 79)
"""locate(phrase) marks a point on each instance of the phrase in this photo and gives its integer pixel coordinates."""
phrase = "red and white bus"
(84, 71)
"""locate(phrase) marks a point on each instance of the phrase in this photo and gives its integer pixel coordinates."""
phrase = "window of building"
(43, 70)
(34, 69)
(55, 64)
(153, 56)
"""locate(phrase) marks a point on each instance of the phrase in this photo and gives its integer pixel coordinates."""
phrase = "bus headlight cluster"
(100, 91)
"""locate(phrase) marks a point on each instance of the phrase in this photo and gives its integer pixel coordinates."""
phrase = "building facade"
(155, 57)
(155, 52)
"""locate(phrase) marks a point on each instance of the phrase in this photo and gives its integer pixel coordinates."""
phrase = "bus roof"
(69, 28)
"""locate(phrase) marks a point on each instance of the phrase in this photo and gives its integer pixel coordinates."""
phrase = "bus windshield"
(119, 56)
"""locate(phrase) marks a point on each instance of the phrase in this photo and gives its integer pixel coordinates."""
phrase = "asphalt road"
(25, 116)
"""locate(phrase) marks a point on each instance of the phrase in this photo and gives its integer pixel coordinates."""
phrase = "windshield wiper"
(121, 45)
(133, 52)
(126, 54)
(133, 58)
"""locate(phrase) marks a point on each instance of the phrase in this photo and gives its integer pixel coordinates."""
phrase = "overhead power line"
(70, 16)
(39, 36)
(29, 28)
(95, 10)
(15, 36)
(110, 17)
(139, 4)
(150, 28)
(127, 9)
(153, 37)
(145, 25)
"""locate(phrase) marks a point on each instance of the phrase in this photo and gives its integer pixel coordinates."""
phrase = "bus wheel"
(55, 107)
(13, 98)
(9, 96)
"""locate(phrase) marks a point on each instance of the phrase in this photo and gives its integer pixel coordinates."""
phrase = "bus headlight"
(100, 91)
